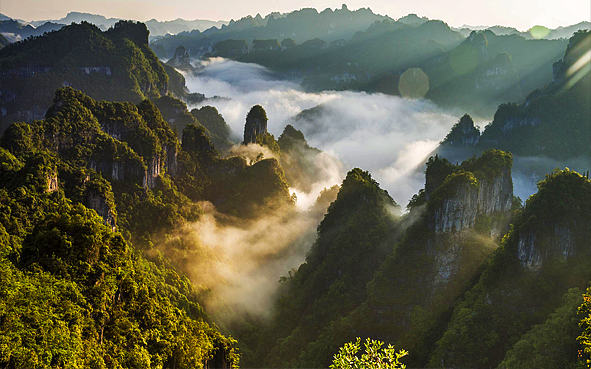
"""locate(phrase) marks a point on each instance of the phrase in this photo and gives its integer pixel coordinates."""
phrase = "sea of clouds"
(387, 135)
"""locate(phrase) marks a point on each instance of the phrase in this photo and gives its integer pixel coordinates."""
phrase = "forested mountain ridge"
(418, 271)
(115, 65)
(476, 73)
(104, 304)
(83, 194)
(440, 258)
(300, 25)
(353, 238)
(553, 121)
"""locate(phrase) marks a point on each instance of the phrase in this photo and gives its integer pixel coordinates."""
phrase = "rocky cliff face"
(181, 58)
(533, 249)
(256, 124)
(545, 253)
(96, 201)
(461, 210)
(463, 133)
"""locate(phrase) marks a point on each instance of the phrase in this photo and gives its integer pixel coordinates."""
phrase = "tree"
(374, 356)
(585, 337)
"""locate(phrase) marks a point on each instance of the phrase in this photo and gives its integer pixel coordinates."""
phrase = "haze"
(519, 14)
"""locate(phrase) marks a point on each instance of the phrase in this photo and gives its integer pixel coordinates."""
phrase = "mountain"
(476, 74)
(77, 17)
(19, 31)
(553, 121)
(535, 32)
(76, 286)
(3, 41)
(494, 69)
(433, 255)
(162, 28)
(300, 25)
(115, 65)
(156, 28)
(353, 238)
(441, 281)
(387, 46)
(545, 253)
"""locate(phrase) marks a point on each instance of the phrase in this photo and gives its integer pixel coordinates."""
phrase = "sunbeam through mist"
(387, 135)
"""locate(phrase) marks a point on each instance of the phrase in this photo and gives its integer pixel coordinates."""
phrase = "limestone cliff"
(100, 203)
(545, 253)
(459, 207)
(256, 124)
(115, 65)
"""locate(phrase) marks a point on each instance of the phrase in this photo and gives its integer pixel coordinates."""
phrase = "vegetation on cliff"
(84, 196)
(115, 65)
(543, 255)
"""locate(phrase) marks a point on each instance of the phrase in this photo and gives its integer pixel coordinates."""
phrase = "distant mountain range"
(532, 33)
(340, 23)
(156, 28)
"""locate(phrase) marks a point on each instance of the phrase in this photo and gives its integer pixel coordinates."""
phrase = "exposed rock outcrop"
(463, 133)
(473, 199)
(96, 201)
(256, 124)
(181, 58)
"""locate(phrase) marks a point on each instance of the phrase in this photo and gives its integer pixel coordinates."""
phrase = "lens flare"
(539, 32)
(413, 84)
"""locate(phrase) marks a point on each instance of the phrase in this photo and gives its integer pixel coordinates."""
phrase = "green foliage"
(197, 144)
(438, 168)
(485, 323)
(585, 323)
(213, 121)
(490, 164)
(257, 113)
(73, 292)
(268, 140)
(125, 68)
(374, 356)
(550, 344)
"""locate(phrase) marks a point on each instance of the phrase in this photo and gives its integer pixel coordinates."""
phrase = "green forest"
(138, 231)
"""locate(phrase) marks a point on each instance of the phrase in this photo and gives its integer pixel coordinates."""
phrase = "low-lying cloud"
(241, 261)
(238, 261)
(386, 135)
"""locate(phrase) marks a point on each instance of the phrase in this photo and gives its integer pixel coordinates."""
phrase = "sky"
(521, 14)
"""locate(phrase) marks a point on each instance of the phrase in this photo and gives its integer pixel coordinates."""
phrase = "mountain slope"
(545, 253)
(115, 65)
(81, 194)
(353, 238)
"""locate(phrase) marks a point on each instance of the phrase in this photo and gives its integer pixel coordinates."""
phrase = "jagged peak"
(359, 183)
(358, 191)
(290, 132)
(463, 133)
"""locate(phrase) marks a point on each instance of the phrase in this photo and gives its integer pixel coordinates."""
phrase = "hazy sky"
(521, 14)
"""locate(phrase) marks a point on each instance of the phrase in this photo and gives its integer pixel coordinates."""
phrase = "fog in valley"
(386, 135)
